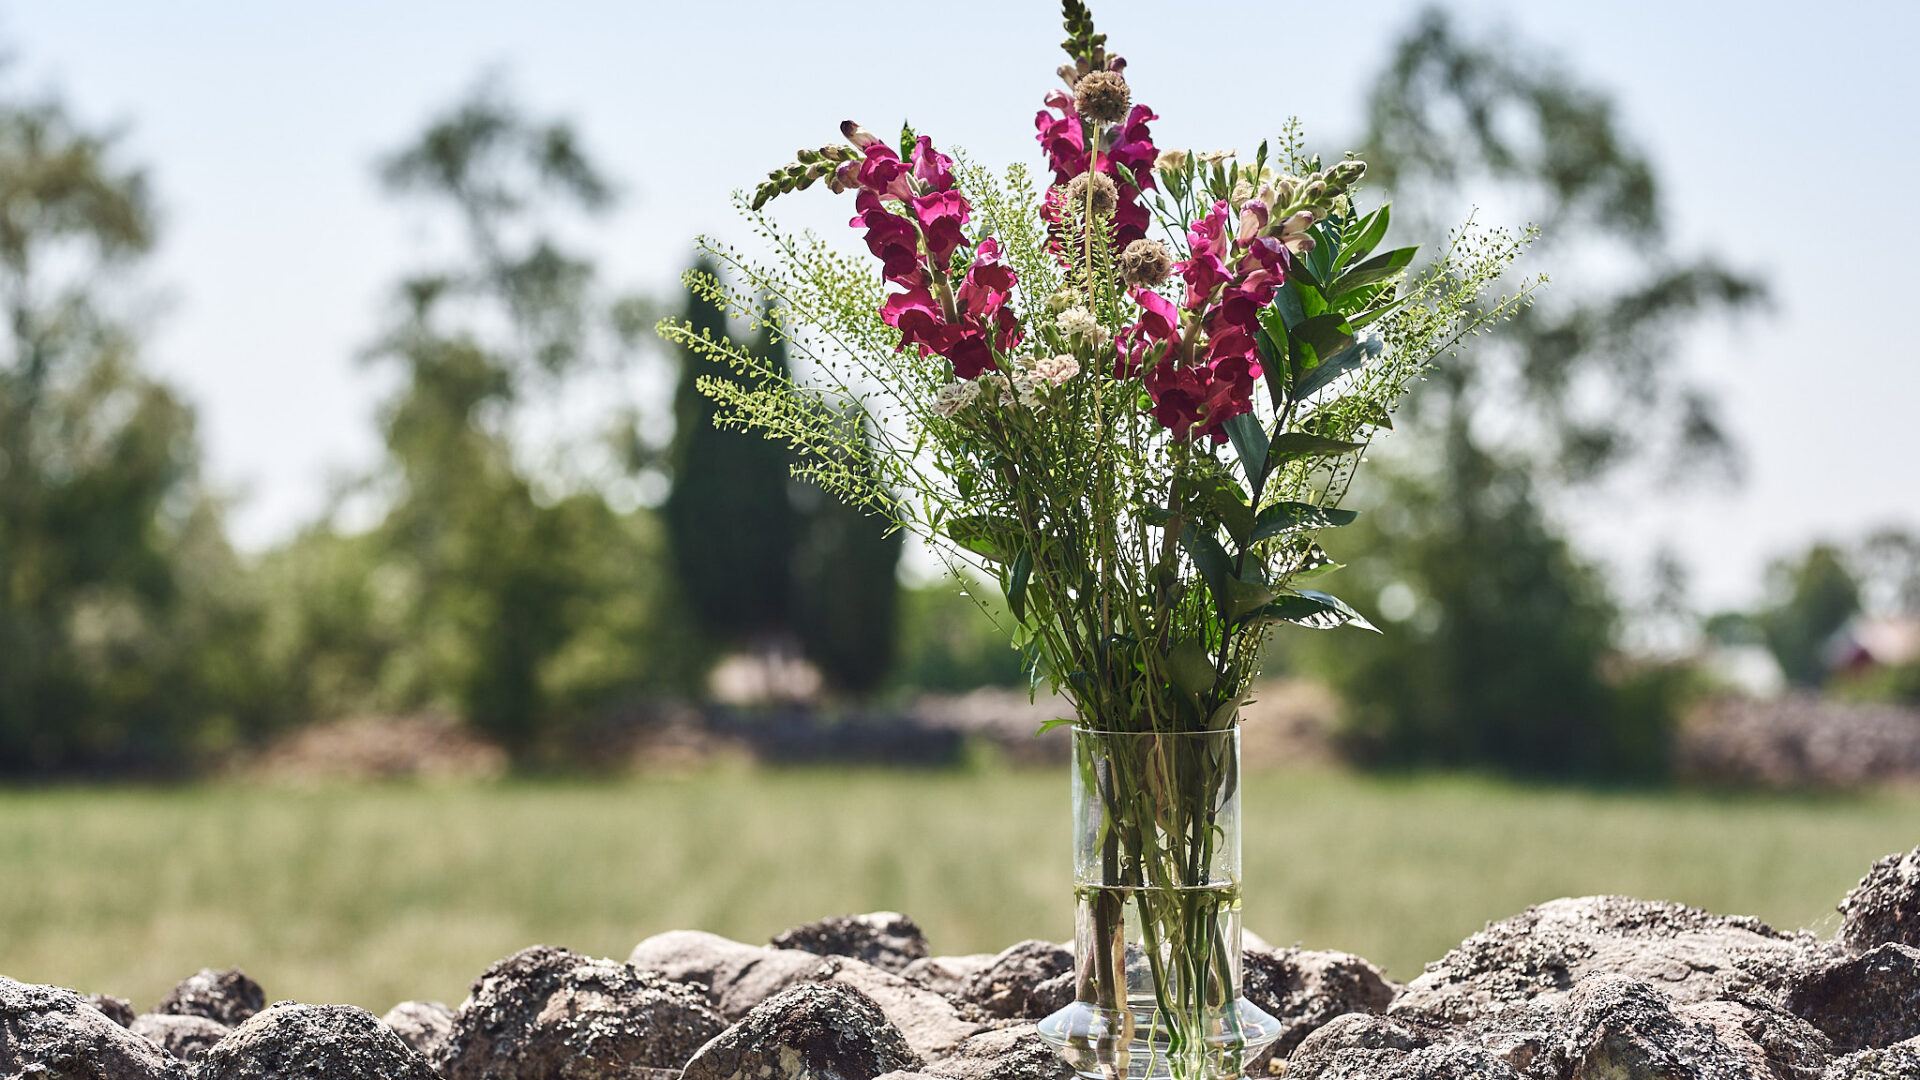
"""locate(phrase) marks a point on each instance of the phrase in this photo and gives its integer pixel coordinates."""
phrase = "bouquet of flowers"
(1133, 397)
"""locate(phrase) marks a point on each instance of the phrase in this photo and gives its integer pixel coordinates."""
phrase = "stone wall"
(1590, 988)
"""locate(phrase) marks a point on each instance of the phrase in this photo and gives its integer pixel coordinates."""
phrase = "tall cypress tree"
(729, 515)
(847, 590)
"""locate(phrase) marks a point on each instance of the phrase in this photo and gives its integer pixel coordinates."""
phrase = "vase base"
(1108, 1044)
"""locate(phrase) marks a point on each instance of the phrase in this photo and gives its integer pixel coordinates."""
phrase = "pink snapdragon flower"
(968, 322)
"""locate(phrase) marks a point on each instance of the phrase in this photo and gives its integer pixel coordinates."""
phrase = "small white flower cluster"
(1024, 385)
(956, 396)
(1078, 322)
(1056, 369)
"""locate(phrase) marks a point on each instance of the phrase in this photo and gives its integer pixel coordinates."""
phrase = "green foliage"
(730, 512)
(763, 558)
(123, 640)
(1105, 535)
(1509, 659)
(1494, 642)
(512, 596)
(847, 592)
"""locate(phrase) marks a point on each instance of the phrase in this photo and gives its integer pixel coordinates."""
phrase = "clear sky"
(1785, 134)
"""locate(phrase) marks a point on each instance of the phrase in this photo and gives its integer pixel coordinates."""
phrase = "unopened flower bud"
(1297, 224)
(1102, 97)
(857, 135)
(1253, 218)
(1068, 74)
(1315, 190)
(1145, 263)
(1242, 191)
(1348, 172)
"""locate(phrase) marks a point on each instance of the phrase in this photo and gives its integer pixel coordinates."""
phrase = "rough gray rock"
(1690, 955)
(946, 975)
(930, 1023)
(886, 939)
(1026, 981)
(118, 1010)
(1900, 1061)
(1304, 989)
(185, 1037)
(1776, 1044)
(291, 1041)
(1012, 1053)
(224, 997)
(812, 1031)
(1624, 1027)
(549, 1014)
(1885, 906)
(1355, 1045)
(427, 1026)
(51, 1033)
(1861, 1002)
(737, 976)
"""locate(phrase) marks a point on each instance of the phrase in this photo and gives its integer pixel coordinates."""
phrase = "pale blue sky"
(1785, 134)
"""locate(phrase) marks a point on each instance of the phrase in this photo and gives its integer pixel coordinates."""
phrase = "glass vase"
(1157, 924)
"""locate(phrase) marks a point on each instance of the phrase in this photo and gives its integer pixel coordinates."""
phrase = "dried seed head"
(1097, 186)
(1102, 97)
(1145, 263)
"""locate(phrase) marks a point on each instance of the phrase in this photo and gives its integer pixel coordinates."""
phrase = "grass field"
(371, 895)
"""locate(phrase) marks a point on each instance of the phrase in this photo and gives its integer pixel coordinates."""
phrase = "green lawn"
(374, 894)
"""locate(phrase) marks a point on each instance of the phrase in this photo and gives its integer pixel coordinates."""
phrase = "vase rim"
(1082, 730)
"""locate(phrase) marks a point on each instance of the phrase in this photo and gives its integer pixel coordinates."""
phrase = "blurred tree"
(730, 513)
(765, 561)
(1812, 598)
(1505, 662)
(945, 644)
(118, 623)
(507, 594)
(846, 591)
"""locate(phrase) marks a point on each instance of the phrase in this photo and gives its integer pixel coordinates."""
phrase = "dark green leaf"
(985, 535)
(1250, 442)
(1378, 268)
(1286, 517)
(1371, 230)
(1326, 332)
(1326, 244)
(1017, 583)
(1315, 563)
(1314, 610)
(1191, 667)
(1215, 567)
(1287, 309)
(1273, 359)
(1339, 364)
(1230, 504)
(1289, 445)
(1244, 598)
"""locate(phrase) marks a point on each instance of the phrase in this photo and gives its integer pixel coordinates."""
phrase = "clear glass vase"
(1157, 927)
